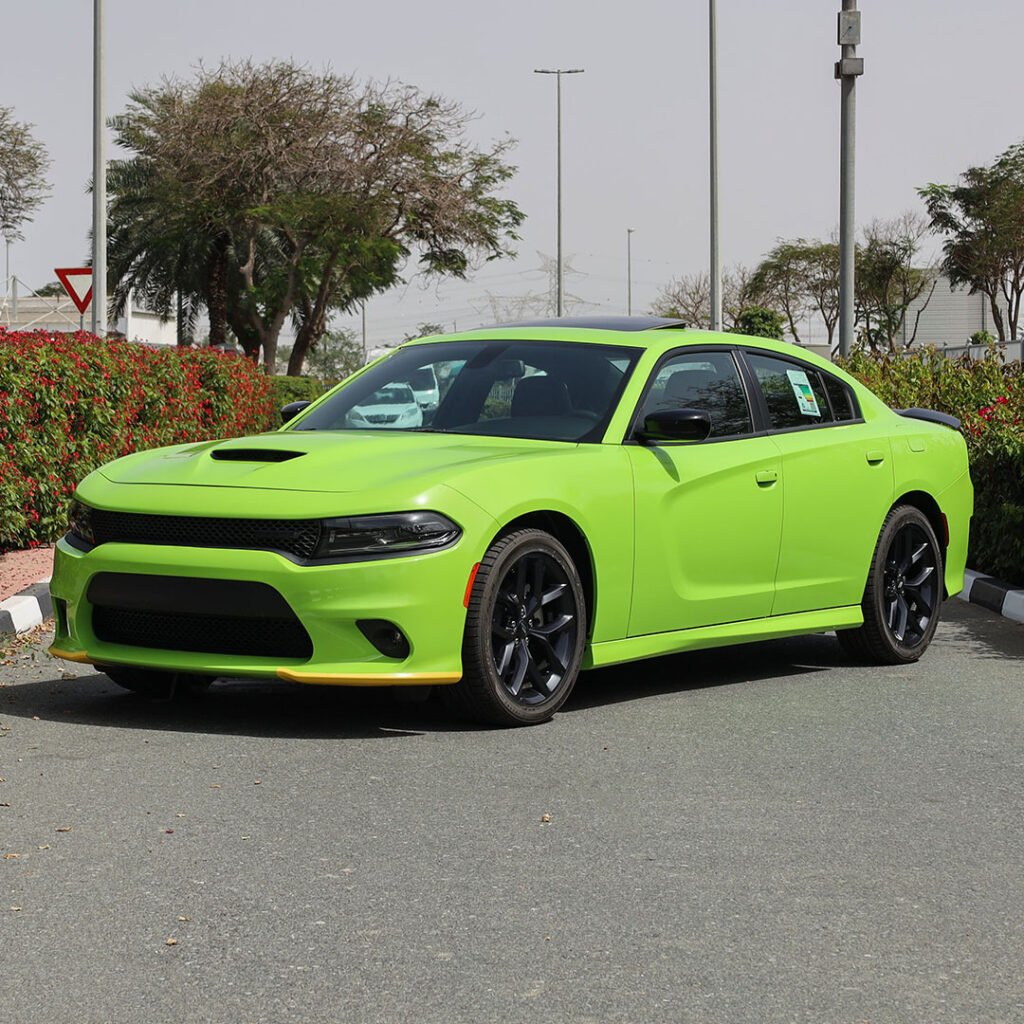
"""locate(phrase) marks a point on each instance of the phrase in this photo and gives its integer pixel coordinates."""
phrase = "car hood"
(325, 461)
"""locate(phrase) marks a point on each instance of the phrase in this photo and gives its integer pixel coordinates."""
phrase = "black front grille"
(182, 613)
(205, 634)
(297, 537)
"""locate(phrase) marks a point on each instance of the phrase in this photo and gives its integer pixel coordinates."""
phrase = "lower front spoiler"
(291, 675)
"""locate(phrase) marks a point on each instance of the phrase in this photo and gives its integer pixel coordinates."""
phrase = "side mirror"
(292, 409)
(675, 425)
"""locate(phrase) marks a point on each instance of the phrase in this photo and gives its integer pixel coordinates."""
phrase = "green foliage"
(988, 397)
(759, 322)
(982, 221)
(335, 356)
(71, 402)
(284, 389)
(23, 165)
(270, 193)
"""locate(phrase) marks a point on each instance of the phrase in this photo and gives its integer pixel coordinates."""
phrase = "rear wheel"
(525, 631)
(903, 595)
(157, 685)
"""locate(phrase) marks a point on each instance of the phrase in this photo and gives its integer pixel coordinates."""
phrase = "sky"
(940, 93)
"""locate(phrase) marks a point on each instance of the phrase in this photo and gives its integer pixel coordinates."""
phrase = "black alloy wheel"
(904, 592)
(525, 632)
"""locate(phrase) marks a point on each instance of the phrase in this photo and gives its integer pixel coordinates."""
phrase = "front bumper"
(422, 595)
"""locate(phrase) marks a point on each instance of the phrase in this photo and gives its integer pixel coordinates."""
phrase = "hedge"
(71, 402)
(292, 389)
(988, 397)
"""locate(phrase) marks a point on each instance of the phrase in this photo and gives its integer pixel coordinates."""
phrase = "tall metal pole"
(364, 331)
(559, 274)
(847, 69)
(716, 263)
(629, 271)
(99, 180)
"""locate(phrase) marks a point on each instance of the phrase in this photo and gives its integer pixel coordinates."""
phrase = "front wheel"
(903, 593)
(525, 632)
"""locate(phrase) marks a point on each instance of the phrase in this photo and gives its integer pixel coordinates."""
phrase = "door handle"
(875, 456)
(766, 477)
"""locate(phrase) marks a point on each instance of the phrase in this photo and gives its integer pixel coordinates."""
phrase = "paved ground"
(765, 834)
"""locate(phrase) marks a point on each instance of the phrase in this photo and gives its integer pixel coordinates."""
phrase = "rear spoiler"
(931, 416)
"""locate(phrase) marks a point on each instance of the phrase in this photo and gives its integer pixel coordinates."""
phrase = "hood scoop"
(253, 455)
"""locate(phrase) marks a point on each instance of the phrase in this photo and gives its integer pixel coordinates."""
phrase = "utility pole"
(558, 72)
(99, 179)
(848, 68)
(364, 332)
(716, 262)
(629, 271)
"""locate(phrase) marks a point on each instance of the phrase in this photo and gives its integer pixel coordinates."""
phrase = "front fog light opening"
(386, 637)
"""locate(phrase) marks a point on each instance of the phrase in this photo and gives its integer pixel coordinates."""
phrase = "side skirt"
(633, 648)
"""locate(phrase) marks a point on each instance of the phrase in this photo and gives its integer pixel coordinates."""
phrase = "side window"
(702, 380)
(843, 407)
(793, 393)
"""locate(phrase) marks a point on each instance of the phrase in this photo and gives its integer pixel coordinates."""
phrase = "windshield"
(557, 391)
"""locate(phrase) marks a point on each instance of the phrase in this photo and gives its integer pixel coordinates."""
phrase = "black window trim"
(693, 350)
(763, 418)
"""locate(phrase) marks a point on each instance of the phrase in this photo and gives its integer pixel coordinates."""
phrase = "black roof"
(603, 323)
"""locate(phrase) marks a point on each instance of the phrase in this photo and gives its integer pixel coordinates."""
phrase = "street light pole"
(629, 271)
(716, 263)
(559, 277)
(847, 70)
(99, 180)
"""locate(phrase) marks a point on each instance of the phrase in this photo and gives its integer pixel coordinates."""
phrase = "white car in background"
(393, 405)
(424, 386)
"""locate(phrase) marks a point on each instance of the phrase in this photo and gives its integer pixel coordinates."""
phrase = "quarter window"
(840, 397)
(702, 380)
(793, 392)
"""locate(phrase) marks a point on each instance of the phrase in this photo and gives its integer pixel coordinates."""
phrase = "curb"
(1002, 598)
(28, 609)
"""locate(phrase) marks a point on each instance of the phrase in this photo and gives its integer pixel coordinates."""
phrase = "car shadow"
(257, 708)
(706, 669)
(274, 709)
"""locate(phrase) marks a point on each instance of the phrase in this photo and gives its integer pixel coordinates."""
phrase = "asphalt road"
(765, 834)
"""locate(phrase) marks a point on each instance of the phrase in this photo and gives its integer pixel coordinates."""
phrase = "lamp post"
(847, 70)
(715, 259)
(629, 271)
(99, 180)
(558, 72)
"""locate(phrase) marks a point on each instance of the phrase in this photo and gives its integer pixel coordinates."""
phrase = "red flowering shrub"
(71, 402)
(987, 395)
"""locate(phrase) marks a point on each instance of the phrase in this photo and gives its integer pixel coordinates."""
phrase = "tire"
(903, 595)
(156, 685)
(525, 633)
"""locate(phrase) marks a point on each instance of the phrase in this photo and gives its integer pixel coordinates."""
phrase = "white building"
(58, 313)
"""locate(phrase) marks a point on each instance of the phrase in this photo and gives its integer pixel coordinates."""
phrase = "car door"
(838, 482)
(708, 514)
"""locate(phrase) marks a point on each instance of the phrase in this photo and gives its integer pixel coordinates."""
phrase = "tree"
(333, 356)
(424, 330)
(982, 221)
(800, 277)
(293, 195)
(23, 184)
(689, 298)
(759, 322)
(887, 282)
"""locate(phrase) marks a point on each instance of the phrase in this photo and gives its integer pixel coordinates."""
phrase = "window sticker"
(805, 399)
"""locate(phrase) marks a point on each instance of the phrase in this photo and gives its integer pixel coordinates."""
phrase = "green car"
(583, 493)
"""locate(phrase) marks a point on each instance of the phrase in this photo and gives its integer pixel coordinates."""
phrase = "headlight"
(395, 533)
(80, 522)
